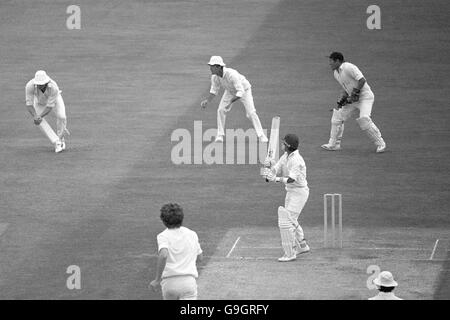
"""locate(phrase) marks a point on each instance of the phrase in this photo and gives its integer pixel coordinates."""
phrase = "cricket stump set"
(334, 201)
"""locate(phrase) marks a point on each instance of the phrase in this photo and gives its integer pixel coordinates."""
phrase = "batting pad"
(336, 131)
(288, 241)
(366, 124)
(286, 231)
(284, 219)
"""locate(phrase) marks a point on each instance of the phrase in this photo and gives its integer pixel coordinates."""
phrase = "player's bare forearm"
(361, 83)
(31, 110)
(210, 97)
(208, 100)
(45, 112)
(160, 264)
(234, 99)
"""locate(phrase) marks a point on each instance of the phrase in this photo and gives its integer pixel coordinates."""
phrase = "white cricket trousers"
(295, 202)
(364, 105)
(60, 112)
(247, 101)
(179, 288)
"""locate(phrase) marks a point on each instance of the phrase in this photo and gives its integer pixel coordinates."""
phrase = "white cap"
(216, 60)
(385, 279)
(41, 77)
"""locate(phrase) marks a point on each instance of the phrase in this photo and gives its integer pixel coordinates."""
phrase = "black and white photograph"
(254, 151)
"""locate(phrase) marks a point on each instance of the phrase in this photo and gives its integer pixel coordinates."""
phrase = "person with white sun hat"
(42, 96)
(386, 285)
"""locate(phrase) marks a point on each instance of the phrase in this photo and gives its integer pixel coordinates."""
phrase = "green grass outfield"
(136, 71)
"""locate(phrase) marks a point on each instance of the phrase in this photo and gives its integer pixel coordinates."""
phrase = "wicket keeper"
(356, 94)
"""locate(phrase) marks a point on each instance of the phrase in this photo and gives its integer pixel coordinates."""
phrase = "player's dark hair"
(337, 56)
(290, 149)
(172, 215)
(291, 142)
(386, 289)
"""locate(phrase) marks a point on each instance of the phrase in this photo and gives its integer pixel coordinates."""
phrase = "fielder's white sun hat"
(385, 279)
(41, 77)
(216, 60)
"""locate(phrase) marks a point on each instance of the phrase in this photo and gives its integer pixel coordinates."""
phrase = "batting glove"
(271, 176)
(269, 163)
(37, 120)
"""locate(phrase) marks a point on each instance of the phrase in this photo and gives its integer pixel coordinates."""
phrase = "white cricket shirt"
(292, 166)
(348, 76)
(45, 99)
(385, 296)
(183, 246)
(232, 81)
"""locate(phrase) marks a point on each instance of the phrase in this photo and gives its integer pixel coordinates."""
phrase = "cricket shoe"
(302, 249)
(331, 147)
(58, 147)
(381, 148)
(219, 139)
(263, 138)
(286, 258)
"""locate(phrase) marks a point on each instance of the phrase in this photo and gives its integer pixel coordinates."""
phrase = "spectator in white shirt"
(237, 87)
(178, 252)
(386, 285)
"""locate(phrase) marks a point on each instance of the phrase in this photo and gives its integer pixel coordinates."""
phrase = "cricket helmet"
(291, 141)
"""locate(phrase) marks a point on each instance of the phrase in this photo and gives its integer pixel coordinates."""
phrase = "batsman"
(291, 171)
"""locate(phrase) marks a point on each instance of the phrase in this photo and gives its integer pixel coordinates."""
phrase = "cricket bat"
(272, 148)
(48, 131)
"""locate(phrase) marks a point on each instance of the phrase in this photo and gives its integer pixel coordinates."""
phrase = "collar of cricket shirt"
(225, 71)
(292, 153)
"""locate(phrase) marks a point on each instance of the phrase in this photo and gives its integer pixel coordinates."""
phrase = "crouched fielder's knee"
(364, 122)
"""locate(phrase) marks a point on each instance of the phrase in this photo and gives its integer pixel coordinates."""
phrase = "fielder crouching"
(290, 170)
(42, 96)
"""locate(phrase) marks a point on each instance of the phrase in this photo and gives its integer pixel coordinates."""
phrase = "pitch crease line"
(232, 248)
(3, 227)
(434, 249)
